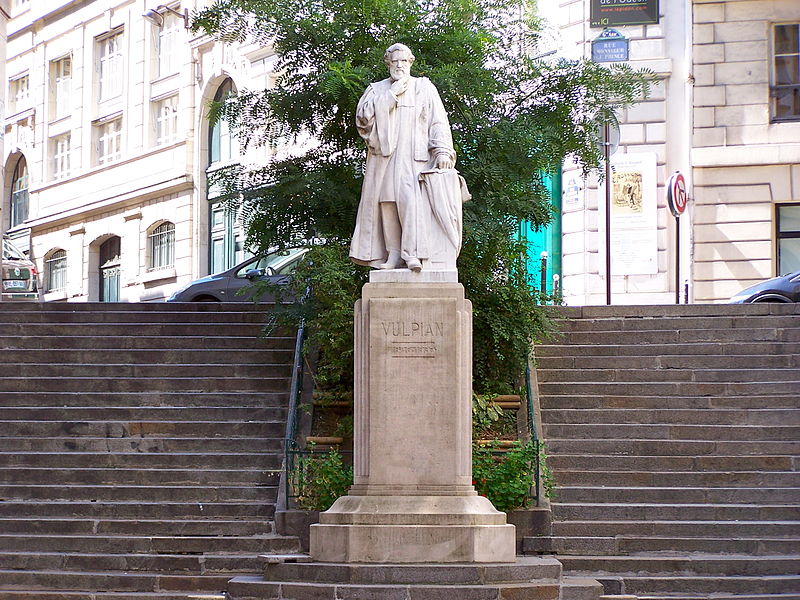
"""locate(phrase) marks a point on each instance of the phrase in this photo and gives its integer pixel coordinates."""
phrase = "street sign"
(610, 46)
(676, 194)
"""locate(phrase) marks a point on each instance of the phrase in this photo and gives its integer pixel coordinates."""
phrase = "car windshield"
(281, 262)
(10, 252)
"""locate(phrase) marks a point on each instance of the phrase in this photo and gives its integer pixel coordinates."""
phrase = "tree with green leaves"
(514, 118)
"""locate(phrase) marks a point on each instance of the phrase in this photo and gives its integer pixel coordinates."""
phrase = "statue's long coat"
(404, 137)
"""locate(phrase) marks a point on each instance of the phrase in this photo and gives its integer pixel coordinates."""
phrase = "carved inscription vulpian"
(413, 339)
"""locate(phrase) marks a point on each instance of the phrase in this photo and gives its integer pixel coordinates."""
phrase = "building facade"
(108, 146)
(725, 113)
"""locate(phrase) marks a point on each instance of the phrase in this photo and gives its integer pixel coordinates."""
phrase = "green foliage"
(505, 479)
(319, 479)
(485, 413)
(513, 118)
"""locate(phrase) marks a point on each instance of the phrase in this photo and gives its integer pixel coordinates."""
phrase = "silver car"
(19, 275)
(235, 285)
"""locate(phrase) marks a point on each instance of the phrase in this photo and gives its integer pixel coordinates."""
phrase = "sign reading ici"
(607, 13)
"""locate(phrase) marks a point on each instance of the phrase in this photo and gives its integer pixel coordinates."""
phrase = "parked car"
(19, 275)
(232, 285)
(778, 289)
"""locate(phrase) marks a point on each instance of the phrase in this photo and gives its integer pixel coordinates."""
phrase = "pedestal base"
(413, 529)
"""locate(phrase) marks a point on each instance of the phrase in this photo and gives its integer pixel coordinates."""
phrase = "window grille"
(162, 246)
(110, 67)
(109, 141)
(56, 267)
(61, 156)
(166, 117)
(61, 71)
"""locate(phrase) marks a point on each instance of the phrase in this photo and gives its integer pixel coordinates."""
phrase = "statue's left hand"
(444, 162)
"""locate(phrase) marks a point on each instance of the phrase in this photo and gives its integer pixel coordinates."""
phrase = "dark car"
(778, 289)
(275, 267)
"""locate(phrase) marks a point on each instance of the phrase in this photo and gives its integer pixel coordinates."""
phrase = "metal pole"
(607, 155)
(677, 260)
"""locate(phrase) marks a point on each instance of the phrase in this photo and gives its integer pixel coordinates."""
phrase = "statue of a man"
(403, 121)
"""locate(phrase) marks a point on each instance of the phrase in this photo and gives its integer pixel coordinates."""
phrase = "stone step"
(669, 310)
(141, 444)
(664, 402)
(726, 564)
(64, 595)
(667, 528)
(634, 447)
(143, 342)
(713, 463)
(667, 337)
(185, 308)
(174, 400)
(632, 347)
(665, 361)
(165, 357)
(111, 580)
(678, 479)
(135, 384)
(714, 596)
(102, 316)
(700, 495)
(127, 429)
(127, 476)
(636, 511)
(709, 416)
(661, 546)
(149, 527)
(103, 595)
(142, 371)
(144, 329)
(580, 588)
(670, 388)
(154, 563)
(145, 413)
(672, 584)
(255, 509)
(145, 493)
(674, 432)
(144, 544)
(741, 373)
(270, 461)
(635, 325)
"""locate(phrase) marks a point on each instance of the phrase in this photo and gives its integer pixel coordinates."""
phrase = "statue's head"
(399, 58)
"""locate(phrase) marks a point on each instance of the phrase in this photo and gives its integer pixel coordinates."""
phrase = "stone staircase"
(140, 448)
(674, 437)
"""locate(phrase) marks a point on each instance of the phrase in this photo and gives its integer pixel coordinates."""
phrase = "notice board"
(607, 13)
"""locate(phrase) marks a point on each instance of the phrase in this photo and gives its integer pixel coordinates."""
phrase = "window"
(56, 270)
(19, 193)
(109, 141)
(60, 151)
(223, 146)
(786, 71)
(166, 120)
(161, 244)
(61, 82)
(788, 225)
(109, 68)
(18, 93)
(167, 44)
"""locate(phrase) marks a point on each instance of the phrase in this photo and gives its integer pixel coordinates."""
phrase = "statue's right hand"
(399, 87)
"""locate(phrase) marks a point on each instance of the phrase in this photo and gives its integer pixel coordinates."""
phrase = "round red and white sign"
(676, 194)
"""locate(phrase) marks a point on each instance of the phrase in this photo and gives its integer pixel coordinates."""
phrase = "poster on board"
(608, 13)
(634, 214)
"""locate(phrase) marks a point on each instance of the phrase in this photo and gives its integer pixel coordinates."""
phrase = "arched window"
(19, 193)
(222, 147)
(161, 246)
(56, 270)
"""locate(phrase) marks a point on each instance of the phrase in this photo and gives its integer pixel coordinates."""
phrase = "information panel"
(607, 13)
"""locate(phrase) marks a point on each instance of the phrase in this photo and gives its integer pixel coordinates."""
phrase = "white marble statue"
(410, 209)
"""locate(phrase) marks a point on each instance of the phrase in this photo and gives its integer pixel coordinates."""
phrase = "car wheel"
(205, 299)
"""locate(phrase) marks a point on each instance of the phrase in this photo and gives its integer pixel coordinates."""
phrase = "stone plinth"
(412, 500)
(533, 578)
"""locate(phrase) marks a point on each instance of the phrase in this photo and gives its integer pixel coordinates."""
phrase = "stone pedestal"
(412, 500)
